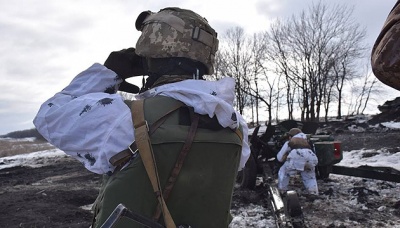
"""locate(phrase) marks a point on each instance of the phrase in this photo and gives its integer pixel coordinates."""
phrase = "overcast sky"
(45, 43)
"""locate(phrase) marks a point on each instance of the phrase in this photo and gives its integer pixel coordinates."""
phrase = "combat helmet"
(176, 32)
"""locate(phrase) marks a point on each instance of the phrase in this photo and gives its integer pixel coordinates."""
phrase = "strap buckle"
(135, 149)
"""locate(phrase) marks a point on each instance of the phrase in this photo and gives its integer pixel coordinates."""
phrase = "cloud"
(45, 43)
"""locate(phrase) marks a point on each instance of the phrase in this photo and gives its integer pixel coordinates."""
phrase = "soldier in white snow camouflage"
(298, 157)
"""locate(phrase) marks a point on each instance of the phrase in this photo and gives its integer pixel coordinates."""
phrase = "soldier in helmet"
(197, 140)
(298, 157)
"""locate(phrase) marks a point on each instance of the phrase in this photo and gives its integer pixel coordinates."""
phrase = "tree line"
(24, 134)
(302, 63)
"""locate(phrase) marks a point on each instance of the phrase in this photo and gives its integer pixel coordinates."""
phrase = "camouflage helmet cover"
(175, 32)
(385, 57)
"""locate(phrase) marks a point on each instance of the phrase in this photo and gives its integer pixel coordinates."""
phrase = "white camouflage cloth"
(298, 160)
(91, 123)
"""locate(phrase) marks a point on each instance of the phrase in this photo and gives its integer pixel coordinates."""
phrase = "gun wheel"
(294, 209)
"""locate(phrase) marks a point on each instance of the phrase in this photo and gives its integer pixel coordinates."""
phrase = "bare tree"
(244, 58)
(364, 91)
(234, 61)
(220, 67)
(278, 54)
(305, 49)
(268, 93)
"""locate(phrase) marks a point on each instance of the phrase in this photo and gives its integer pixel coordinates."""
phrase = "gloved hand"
(128, 87)
(126, 63)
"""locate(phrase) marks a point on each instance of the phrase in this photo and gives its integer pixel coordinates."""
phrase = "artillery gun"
(265, 143)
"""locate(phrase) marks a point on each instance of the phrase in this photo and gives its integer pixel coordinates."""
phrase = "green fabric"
(202, 194)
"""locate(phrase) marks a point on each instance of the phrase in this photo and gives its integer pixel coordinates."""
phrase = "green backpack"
(202, 193)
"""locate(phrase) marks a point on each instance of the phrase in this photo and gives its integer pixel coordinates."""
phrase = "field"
(49, 189)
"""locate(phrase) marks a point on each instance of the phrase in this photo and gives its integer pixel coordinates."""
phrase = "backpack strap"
(121, 158)
(146, 153)
(179, 162)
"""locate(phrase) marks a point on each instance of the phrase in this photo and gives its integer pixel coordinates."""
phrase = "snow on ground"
(251, 216)
(35, 159)
(30, 139)
(392, 125)
(258, 216)
(375, 158)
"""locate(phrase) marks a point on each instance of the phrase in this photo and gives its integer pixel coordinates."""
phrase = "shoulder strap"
(124, 156)
(146, 153)
(181, 158)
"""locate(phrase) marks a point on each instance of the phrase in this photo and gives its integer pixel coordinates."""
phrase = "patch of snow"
(355, 128)
(87, 207)
(29, 139)
(375, 158)
(392, 125)
(30, 159)
(251, 216)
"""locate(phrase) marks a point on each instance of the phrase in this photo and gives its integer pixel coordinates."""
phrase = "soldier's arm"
(282, 154)
(87, 120)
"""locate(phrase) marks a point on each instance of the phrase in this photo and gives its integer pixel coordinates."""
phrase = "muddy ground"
(53, 195)
(49, 196)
